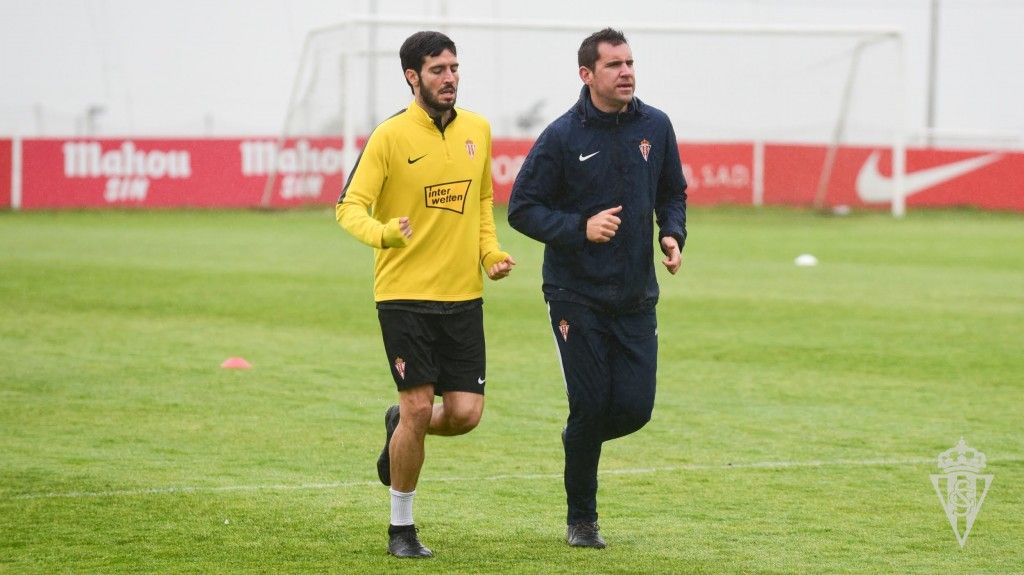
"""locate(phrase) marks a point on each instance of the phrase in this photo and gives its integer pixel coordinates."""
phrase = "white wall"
(225, 67)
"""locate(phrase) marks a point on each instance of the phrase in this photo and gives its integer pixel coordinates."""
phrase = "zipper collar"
(423, 118)
(591, 116)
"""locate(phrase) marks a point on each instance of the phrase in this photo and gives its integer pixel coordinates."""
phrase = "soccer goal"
(804, 92)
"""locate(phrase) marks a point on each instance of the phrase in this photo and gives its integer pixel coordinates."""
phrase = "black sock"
(395, 529)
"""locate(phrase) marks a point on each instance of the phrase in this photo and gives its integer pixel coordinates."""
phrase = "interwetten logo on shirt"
(447, 196)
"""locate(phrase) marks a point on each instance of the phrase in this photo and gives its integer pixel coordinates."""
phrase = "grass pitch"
(799, 410)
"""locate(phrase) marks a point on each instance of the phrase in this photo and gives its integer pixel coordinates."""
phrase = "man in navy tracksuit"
(587, 190)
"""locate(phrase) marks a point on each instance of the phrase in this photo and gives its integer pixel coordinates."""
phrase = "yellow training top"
(442, 182)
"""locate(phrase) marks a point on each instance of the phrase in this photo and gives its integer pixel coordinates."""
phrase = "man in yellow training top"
(425, 174)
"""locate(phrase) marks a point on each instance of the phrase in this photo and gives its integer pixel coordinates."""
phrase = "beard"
(434, 104)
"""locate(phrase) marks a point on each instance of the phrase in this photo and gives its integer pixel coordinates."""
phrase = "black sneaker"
(584, 534)
(403, 543)
(384, 461)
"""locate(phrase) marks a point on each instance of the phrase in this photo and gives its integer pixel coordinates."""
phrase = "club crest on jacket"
(563, 327)
(645, 148)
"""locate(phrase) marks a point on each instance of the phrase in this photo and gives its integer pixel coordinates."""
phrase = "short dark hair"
(417, 47)
(587, 55)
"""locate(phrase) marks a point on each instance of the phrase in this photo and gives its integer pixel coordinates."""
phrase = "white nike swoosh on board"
(588, 156)
(872, 186)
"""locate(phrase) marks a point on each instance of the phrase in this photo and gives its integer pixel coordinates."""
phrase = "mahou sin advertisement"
(179, 173)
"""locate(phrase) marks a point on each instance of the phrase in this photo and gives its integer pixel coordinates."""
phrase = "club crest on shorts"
(645, 148)
(563, 327)
(400, 366)
(471, 148)
(965, 488)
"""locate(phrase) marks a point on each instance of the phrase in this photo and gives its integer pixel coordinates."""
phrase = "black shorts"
(446, 350)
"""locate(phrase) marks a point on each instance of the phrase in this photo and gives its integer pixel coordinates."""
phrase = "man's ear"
(412, 77)
(586, 75)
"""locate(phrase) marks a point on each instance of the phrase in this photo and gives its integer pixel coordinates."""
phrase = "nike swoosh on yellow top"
(872, 186)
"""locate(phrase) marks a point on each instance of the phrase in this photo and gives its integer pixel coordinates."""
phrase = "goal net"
(816, 95)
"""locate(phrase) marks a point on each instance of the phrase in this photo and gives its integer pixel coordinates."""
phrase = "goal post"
(717, 82)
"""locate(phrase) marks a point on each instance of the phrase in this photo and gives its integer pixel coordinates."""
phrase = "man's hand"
(397, 233)
(499, 268)
(601, 227)
(674, 258)
(405, 227)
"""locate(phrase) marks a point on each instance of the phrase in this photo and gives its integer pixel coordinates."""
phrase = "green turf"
(124, 448)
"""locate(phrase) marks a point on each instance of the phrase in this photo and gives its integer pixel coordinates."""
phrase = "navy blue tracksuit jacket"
(587, 161)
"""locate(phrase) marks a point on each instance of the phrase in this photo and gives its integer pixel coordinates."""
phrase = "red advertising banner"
(506, 158)
(718, 173)
(863, 177)
(148, 173)
(5, 173)
(178, 173)
(724, 173)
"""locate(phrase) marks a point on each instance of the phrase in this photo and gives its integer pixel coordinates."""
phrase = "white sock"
(401, 507)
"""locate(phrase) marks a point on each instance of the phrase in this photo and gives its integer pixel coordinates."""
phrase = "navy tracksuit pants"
(609, 362)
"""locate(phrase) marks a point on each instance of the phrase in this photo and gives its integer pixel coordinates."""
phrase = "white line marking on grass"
(193, 489)
(503, 477)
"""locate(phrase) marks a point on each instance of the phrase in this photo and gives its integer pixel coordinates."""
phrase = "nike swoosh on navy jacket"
(564, 181)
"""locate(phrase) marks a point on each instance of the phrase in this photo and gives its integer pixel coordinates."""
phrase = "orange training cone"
(236, 363)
